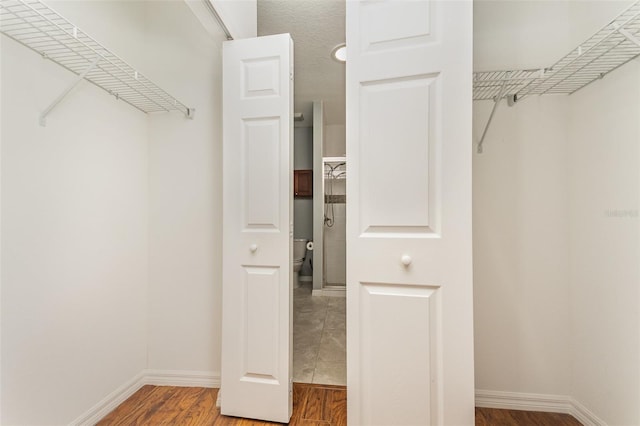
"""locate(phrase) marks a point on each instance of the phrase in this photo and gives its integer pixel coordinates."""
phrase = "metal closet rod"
(217, 17)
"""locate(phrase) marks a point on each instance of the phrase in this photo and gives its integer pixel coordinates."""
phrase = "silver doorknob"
(406, 260)
(253, 248)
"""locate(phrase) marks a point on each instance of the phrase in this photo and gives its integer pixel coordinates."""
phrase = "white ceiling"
(316, 26)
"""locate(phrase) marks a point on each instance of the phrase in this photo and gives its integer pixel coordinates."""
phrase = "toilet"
(299, 253)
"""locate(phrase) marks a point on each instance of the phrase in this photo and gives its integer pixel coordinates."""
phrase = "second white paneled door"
(409, 271)
(257, 222)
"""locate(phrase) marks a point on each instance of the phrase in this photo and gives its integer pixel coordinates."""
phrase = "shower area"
(334, 217)
(330, 169)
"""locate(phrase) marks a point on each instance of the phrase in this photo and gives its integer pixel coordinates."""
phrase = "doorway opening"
(319, 246)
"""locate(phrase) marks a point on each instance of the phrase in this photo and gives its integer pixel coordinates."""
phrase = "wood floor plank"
(154, 402)
(497, 417)
(202, 412)
(138, 414)
(187, 404)
(182, 401)
(339, 407)
(317, 404)
(128, 406)
(300, 392)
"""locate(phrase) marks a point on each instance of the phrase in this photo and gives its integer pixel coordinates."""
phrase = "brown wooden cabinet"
(302, 183)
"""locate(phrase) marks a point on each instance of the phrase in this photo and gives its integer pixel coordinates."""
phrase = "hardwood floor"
(492, 416)
(313, 405)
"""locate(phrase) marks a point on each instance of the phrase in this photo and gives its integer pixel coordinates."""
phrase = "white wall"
(239, 16)
(604, 188)
(335, 138)
(110, 218)
(556, 229)
(74, 239)
(171, 47)
(521, 248)
(519, 34)
(185, 175)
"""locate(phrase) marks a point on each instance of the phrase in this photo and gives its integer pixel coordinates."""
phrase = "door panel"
(260, 173)
(261, 333)
(409, 274)
(257, 223)
(409, 208)
(416, 313)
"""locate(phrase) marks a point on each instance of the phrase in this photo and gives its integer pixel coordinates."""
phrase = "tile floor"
(319, 338)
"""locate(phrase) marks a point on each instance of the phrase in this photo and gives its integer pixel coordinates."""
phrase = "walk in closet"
(110, 212)
(112, 197)
(556, 195)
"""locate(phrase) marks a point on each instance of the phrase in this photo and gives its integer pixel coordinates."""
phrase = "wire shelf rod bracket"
(493, 111)
(628, 35)
(56, 101)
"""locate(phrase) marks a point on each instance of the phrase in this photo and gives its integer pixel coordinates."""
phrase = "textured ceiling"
(316, 26)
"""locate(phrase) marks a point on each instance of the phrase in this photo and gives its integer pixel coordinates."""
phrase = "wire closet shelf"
(608, 49)
(38, 27)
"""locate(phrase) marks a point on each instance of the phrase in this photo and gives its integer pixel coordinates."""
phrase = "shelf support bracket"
(493, 111)
(43, 115)
(628, 35)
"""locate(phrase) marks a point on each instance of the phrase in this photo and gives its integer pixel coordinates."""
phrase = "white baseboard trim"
(185, 378)
(584, 415)
(330, 291)
(523, 401)
(202, 379)
(537, 402)
(110, 402)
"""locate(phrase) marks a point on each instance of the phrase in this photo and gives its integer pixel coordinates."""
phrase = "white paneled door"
(409, 270)
(257, 228)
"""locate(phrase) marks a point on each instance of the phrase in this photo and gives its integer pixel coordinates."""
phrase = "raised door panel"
(398, 148)
(401, 341)
(414, 25)
(260, 173)
(261, 340)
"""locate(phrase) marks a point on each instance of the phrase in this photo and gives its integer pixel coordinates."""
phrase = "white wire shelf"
(614, 45)
(608, 49)
(38, 27)
(488, 85)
